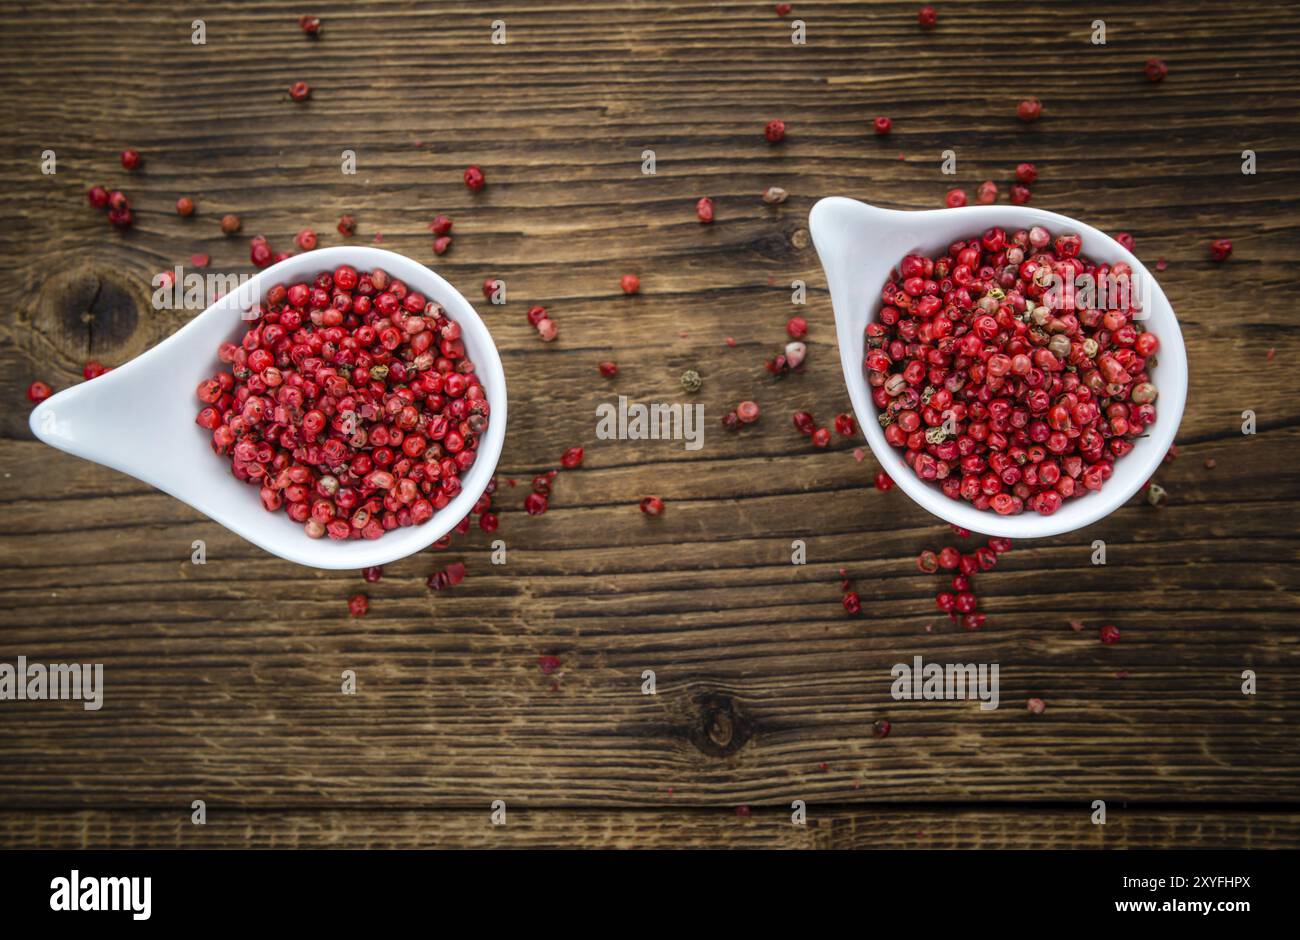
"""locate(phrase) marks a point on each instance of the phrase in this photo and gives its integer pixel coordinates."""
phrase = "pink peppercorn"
(704, 209)
(774, 131)
(131, 159)
(37, 392)
(630, 283)
(1029, 110)
(1110, 634)
(358, 605)
(652, 506)
(1220, 248)
(955, 199)
(882, 125)
(474, 178)
(927, 17)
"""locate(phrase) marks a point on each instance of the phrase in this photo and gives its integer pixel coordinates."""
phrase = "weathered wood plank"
(223, 679)
(831, 827)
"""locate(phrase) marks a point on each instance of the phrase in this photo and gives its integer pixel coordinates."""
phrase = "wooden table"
(223, 680)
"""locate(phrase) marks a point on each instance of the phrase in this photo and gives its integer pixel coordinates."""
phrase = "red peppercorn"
(373, 574)
(299, 91)
(747, 412)
(927, 17)
(852, 603)
(881, 728)
(358, 605)
(1220, 248)
(949, 558)
(1155, 70)
(845, 425)
(259, 252)
(652, 506)
(347, 225)
(441, 244)
(630, 283)
(882, 125)
(804, 422)
(474, 178)
(571, 458)
(535, 503)
(92, 370)
(796, 327)
(884, 482)
(821, 438)
(1027, 173)
(783, 9)
(927, 561)
(309, 24)
(1029, 110)
(1110, 634)
(1036, 706)
(1019, 194)
(441, 225)
(973, 621)
(987, 193)
(547, 329)
(131, 159)
(608, 369)
(1000, 545)
(97, 196)
(306, 239)
(704, 209)
(955, 199)
(38, 391)
(185, 206)
(121, 218)
(774, 131)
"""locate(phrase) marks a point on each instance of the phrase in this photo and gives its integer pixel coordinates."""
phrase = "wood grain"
(832, 827)
(223, 679)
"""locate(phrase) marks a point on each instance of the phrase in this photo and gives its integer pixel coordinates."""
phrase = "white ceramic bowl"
(859, 245)
(139, 418)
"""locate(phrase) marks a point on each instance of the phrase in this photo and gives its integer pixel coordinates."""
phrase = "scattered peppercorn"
(358, 605)
(372, 574)
(704, 209)
(230, 224)
(309, 25)
(1029, 110)
(1156, 70)
(630, 283)
(38, 391)
(1220, 248)
(1110, 634)
(774, 131)
(882, 125)
(299, 91)
(1036, 706)
(652, 506)
(185, 206)
(131, 159)
(474, 178)
(347, 225)
(955, 199)
(1027, 173)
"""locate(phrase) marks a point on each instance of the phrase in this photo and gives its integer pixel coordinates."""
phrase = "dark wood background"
(223, 680)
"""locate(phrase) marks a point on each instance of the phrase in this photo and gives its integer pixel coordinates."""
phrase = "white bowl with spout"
(139, 418)
(860, 244)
